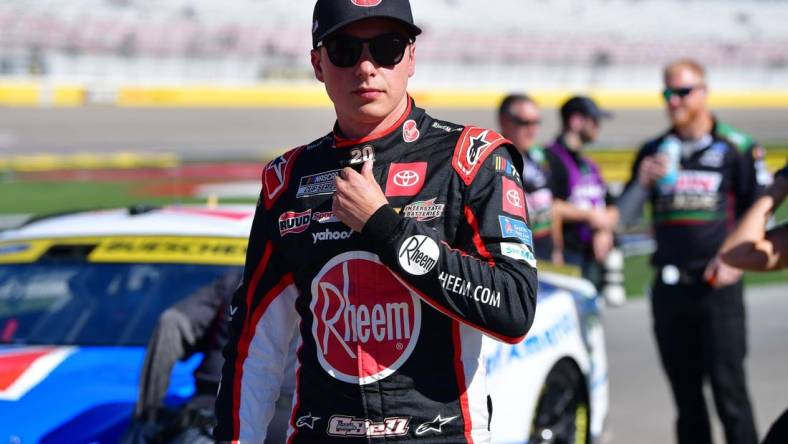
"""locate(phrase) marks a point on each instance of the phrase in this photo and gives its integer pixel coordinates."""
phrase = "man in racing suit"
(519, 120)
(389, 276)
(700, 177)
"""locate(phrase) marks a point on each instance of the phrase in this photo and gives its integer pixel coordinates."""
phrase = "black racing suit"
(700, 330)
(390, 319)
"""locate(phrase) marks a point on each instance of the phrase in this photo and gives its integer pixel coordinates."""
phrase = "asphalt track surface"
(254, 133)
(641, 407)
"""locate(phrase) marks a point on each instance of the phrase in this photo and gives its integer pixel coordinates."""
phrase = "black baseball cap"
(330, 15)
(585, 106)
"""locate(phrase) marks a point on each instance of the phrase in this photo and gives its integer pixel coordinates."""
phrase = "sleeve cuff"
(382, 225)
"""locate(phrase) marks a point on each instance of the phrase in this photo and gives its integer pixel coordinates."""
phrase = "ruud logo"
(367, 320)
(366, 3)
(292, 222)
(418, 255)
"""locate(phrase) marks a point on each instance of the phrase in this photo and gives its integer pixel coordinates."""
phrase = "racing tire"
(562, 413)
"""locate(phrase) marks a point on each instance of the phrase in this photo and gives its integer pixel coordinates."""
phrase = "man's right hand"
(652, 168)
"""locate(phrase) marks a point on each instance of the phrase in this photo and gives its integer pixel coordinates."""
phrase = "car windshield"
(83, 303)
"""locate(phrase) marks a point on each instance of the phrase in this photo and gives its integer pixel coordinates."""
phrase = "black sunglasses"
(667, 93)
(524, 122)
(345, 50)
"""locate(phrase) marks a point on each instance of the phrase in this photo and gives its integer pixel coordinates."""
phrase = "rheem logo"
(366, 319)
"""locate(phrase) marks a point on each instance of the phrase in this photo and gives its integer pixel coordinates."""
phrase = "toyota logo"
(514, 198)
(406, 178)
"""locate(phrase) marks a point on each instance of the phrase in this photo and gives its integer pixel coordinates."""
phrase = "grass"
(52, 197)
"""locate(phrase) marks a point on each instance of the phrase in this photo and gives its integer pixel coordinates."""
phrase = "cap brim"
(413, 29)
(604, 114)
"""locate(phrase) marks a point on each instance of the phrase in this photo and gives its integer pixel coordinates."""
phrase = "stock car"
(80, 295)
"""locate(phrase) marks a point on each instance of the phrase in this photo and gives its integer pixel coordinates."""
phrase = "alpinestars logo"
(473, 147)
(436, 425)
(347, 426)
(307, 421)
(478, 145)
(366, 319)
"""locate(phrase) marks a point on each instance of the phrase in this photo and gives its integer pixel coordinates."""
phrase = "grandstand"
(574, 43)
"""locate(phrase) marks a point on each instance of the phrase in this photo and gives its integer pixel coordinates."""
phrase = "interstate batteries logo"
(366, 319)
(423, 210)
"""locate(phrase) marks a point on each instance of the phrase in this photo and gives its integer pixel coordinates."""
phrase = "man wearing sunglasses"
(387, 248)
(519, 118)
(700, 177)
(582, 202)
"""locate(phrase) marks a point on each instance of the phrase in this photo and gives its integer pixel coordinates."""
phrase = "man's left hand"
(357, 197)
(719, 274)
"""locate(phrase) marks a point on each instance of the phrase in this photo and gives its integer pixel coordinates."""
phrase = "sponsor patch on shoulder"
(473, 147)
(518, 252)
(516, 229)
(276, 176)
(505, 166)
(513, 198)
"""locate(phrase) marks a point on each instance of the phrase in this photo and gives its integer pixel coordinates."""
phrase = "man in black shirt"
(700, 176)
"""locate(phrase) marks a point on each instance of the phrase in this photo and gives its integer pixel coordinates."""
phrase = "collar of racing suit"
(384, 147)
(340, 141)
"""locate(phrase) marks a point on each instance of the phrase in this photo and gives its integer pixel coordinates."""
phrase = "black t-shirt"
(719, 177)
